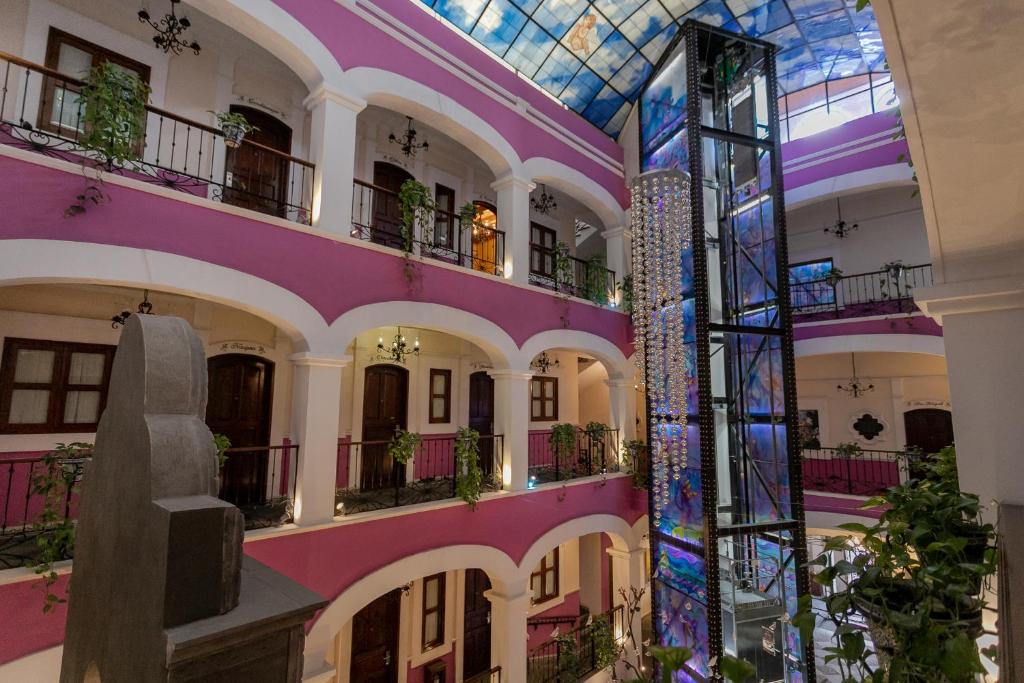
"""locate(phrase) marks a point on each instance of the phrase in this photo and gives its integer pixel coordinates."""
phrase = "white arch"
(396, 92)
(498, 565)
(277, 31)
(621, 533)
(494, 341)
(869, 343)
(579, 186)
(611, 357)
(27, 261)
(857, 182)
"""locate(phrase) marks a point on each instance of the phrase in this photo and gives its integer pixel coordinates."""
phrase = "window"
(62, 110)
(440, 396)
(445, 221)
(544, 399)
(433, 611)
(48, 386)
(544, 579)
(542, 250)
(807, 284)
(485, 238)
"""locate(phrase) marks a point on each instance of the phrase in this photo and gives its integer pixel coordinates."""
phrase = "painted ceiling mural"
(594, 55)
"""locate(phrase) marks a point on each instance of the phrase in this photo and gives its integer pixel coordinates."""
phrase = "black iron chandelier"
(169, 29)
(841, 229)
(144, 307)
(543, 363)
(399, 349)
(544, 204)
(408, 140)
(855, 387)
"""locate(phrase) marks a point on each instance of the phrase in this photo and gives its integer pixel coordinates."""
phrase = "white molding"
(972, 296)
(324, 93)
(865, 343)
(312, 360)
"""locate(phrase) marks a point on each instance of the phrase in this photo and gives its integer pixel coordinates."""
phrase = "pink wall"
(333, 277)
(894, 325)
(416, 674)
(570, 607)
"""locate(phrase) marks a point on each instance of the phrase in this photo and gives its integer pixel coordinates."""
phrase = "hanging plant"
(595, 286)
(625, 287)
(563, 445)
(114, 120)
(221, 443)
(418, 209)
(469, 477)
(403, 445)
(636, 456)
(234, 127)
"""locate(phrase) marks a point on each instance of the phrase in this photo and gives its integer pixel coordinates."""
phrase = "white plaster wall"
(568, 389)
(593, 395)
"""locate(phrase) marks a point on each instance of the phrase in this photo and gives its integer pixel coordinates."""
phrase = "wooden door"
(253, 177)
(929, 429)
(481, 417)
(239, 407)
(476, 649)
(375, 641)
(485, 238)
(387, 210)
(385, 396)
(446, 221)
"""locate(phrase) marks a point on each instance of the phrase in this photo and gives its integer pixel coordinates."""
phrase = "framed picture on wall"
(809, 428)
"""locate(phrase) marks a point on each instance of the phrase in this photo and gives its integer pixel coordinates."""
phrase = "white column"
(510, 603)
(512, 421)
(332, 146)
(316, 406)
(620, 410)
(628, 571)
(514, 218)
(618, 258)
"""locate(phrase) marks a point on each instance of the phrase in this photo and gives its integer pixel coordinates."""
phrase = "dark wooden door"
(239, 407)
(253, 177)
(476, 651)
(387, 210)
(481, 417)
(929, 429)
(375, 641)
(385, 396)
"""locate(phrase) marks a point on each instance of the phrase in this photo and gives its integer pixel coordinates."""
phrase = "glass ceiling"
(594, 55)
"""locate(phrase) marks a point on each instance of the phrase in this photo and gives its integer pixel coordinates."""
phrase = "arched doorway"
(239, 407)
(485, 238)
(255, 178)
(387, 209)
(385, 400)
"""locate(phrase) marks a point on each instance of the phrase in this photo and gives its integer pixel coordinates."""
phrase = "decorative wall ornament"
(855, 387)
(868, 426)
(399, 349)
(841, 229)
(169, 29)
(543, 363)
(408, 140)
(145, 307)
(661, 233)
(241, 346)
(544, 204)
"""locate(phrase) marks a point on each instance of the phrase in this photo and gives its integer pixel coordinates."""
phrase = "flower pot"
(233, 135)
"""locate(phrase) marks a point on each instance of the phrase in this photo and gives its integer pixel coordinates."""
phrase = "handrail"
(888, 288)
(486, 676)
(392, 193)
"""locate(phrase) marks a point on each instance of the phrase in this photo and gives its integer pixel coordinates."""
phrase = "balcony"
(859, 473)
(445, 236)
(592, 452)
(588, 280)
(41, 111)
(882, 292)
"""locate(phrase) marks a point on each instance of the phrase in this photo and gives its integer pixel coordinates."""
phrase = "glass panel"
(535, 388)
(430, 627)
(437, 407)
(29, 406)
(536, 410)
(549, 389)
(86, 368)
(439, 382)
(431, 593)
(73, 61)
(549, 583)
(82, 407)
(535, 585)
(34, 366)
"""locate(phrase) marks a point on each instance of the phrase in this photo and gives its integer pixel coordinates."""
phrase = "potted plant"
(847, 450)
(636, 455)
(403, 445)
(563, 446)
(234, 126)
(833, 277)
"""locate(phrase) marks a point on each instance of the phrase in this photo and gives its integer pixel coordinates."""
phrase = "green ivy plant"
(848, 449)
(114, 123)
(418, 208)
(221, 443)
(232, 119)
(595, 287)
(636, 456)
(625, 287)
(469, 477)
(563, 445)
(403, 445)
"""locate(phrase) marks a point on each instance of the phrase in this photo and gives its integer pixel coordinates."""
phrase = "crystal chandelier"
(408, 140)
(399, 349)
(169, 29)
(543, 363)
(544, 204)
(841, 229)
(661, 225)
(144, 307)
(855, 387)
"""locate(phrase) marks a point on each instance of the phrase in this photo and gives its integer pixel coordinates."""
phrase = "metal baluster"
(28, 495)
(159, 137)
(174, 142)
(7, 496)
(188, 139)
(24, 96)
(3, 93)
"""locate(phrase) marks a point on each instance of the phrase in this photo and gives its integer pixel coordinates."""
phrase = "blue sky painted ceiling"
(594, 55)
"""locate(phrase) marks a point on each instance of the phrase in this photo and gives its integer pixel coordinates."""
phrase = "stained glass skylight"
(594, 55)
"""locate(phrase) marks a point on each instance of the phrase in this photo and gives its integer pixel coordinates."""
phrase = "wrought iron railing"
(492, 675)
(861, 472)
(582, 279)
(573, 655)
(889, 290)
(261, 481)
(369, 479)
(40, 110)
(376, 217)
(594, 452)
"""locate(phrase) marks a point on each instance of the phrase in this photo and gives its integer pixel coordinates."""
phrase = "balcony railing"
(41, 110)
(583, 279)
(261, 481)
(377, 217)
(861, 473)
(886, 291)
(493, 675)
(574, 655)
(595, 452)
(369, 479)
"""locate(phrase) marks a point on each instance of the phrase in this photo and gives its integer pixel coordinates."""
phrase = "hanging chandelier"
(543, 363)
(544, 204)
(855, 387)
(399, 349)
(841, 229)
(144, 307)
(169, 29)
(408, 140)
